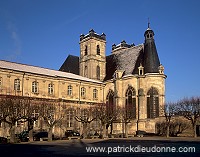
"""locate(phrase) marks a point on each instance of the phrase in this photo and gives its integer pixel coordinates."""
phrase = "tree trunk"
(126, 130)
(107, 126)
(111, 128)
(194, 130)
(167, 133)
(84, 134)
(30, 129)
(104, 131)
(30, 134)
(50, 134)
(12, 134)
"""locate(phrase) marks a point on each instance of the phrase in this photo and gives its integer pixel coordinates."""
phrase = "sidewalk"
(153, 138)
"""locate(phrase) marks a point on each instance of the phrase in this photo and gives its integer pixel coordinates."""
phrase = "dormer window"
(141, 70)
(118, 74)
(161, 69)
(98, 50)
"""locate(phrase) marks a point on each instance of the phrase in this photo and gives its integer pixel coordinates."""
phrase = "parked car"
(3, 140)
(140, 133)
(72, 133)
(24, 136)
(42, 136)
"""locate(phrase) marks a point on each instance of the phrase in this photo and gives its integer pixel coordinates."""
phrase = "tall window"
(98, 50)
(51, 88)
(83, 92)
(110, 102)
(152, 103)
(86, 50)
(35, 87)
(17, 85)
(95, 93)
(70, 113)
(98, 72)
(130, 103)
(86, 71)
(35, 114)
(69, 90)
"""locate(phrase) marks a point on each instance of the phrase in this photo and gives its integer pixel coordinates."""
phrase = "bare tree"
(85, 118)
(169, 112)
(12, 111)
(31, 115)
(52, 114)
(190, 109)
(126, 116)
(176, 126)
(107, 116)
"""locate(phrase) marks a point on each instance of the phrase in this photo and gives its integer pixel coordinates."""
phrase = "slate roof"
(71, 65)
(151, 60)
(126, 60)
(42, 71)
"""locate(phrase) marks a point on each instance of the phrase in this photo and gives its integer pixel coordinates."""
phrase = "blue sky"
(44, 32)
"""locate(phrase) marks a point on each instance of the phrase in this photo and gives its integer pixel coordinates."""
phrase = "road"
(111, 147)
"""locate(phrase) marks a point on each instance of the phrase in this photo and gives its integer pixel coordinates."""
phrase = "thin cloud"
(12, 29)
(72, 20)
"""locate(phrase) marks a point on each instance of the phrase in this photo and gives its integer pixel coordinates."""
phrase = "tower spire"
(148, 23)
(151, 59)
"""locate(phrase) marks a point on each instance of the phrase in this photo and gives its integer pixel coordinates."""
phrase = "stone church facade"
(130, 76)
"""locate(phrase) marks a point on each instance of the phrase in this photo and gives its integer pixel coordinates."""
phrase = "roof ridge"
(29, 65)
(123, 50)
(46, 71)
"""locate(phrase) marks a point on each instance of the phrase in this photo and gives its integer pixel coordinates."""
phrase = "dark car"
(42, 136)
(3, 140)
(140, 133)
(71, 133)
(24, 136)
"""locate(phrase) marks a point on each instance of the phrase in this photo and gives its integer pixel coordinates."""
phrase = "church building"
(131, 77)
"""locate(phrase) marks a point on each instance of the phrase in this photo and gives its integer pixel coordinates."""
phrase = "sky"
(44, 32)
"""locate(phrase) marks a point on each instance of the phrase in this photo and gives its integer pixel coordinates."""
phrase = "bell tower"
(151, 59)
(92, 55)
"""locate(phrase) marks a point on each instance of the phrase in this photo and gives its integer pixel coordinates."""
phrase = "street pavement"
(108, 147)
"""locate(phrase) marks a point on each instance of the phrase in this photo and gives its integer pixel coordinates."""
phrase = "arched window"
(69, 90)
(86, 50)
(83, 92)
(98, 72)
(17, 85)
(50, 88)
(98, 50)
(130, 103)
(152, 103)
(110, 102)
